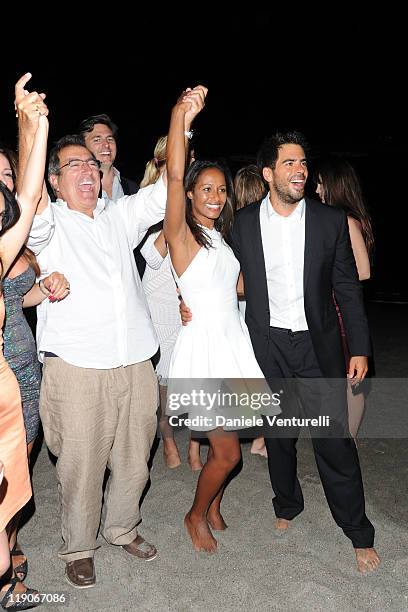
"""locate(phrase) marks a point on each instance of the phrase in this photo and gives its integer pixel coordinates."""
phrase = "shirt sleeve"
(143, 209)
(151, 254)
(41, 230)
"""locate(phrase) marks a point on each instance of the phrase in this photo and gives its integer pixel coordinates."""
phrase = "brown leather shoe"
(81, 573)
(141, 549)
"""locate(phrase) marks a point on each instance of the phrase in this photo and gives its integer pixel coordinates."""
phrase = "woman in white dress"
(215, 345)
(160, 290)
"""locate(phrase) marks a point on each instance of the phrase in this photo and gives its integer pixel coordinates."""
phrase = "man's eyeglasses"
(76, 164)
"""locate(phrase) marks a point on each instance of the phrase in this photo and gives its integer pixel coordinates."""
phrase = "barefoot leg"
(282, 524)
(356, 405)
(224, 457)
(258, 447)
(194, 458)
(367, 560)
(214, 516)
(170, 450)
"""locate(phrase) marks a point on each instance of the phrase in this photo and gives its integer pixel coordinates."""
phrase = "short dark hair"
(269, 151)
(87, 125)
(65, 141)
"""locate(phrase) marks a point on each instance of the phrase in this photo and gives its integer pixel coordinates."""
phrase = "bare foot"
(367, 560)
(259, 450)
(200, 534)
(258, 447)
(195, 464)
(282, 524)
(171, 454)
(215, 520)
(194, 458)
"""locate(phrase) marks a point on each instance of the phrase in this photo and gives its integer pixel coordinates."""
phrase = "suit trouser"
(94, 419)
(336, 457)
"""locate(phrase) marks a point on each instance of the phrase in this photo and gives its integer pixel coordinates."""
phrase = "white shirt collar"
(116, 172)
(296, 214)
(100, 206)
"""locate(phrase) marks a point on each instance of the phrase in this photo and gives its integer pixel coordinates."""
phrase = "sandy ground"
(311, 567)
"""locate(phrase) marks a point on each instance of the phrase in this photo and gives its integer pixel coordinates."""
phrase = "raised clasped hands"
(29, 106)
(193, 102)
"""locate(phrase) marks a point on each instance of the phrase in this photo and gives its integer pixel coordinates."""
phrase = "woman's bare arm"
(240, 286)
(176, 231)
(31, 183)
(55, 287)
(359, 249)
(175, 226)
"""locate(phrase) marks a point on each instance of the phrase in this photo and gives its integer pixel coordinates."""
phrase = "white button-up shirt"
(283, 240)
(104, 322)
(117, 189)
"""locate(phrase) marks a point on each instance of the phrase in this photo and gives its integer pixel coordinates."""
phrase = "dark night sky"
(256, 83)
(262, 74)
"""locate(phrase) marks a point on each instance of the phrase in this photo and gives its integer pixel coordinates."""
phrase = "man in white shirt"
(99, 391)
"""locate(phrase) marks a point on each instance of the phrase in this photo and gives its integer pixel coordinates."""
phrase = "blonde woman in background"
(161, 295)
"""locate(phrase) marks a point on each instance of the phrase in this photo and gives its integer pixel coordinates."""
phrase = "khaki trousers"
(93, 419)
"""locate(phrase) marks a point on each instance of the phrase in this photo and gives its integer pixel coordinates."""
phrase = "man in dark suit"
(294, 253)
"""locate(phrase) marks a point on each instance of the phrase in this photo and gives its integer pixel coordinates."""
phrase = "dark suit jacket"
(328, 265)
(129, 187)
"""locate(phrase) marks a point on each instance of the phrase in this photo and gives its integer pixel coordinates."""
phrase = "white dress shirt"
(117, 189)
(104, 322)
(283, 240)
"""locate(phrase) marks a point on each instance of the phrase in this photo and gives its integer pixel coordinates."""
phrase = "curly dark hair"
(269, 151)
(224, 222)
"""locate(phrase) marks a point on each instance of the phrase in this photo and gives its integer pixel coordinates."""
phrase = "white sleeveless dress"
(215, 346)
